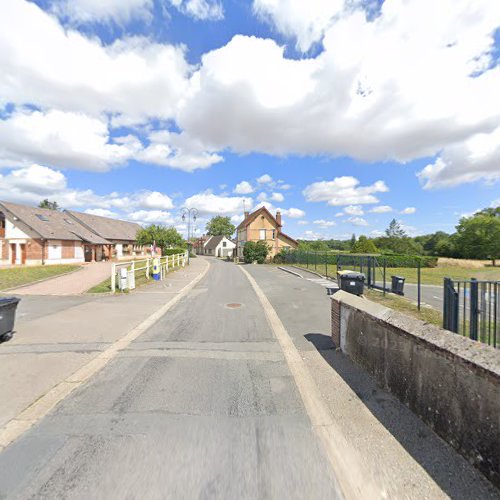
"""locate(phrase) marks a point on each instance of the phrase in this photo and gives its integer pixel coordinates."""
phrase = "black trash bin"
(397, 285)
(8, 306)
(352, 282)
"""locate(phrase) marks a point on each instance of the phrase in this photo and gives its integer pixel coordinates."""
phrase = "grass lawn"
(17, 276)
(429, 275)
(405, 306)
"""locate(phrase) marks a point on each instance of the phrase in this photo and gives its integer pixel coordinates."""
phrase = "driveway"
(75, 283)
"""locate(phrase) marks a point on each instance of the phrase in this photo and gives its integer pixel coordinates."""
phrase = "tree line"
(476, 237)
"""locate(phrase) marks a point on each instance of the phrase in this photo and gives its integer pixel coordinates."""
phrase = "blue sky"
(327, 110)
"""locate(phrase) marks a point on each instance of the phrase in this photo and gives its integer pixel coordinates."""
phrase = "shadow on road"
(448, 469)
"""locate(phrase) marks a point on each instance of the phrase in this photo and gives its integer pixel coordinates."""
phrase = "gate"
(472, 309)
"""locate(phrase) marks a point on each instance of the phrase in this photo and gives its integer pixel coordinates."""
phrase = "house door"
(23, 253)
(88, 253)
(13, 253)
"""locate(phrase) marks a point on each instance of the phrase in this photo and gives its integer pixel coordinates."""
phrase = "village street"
(220, 382)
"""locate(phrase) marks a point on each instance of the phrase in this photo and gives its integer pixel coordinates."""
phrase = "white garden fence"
(123, 274)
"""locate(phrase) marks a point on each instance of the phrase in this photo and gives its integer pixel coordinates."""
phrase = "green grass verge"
(405, 306)
(18, 276)
(429, 275)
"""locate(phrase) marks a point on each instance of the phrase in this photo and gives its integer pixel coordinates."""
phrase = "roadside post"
(156, 269)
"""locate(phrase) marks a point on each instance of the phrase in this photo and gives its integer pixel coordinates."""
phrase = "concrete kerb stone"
(290, 271)
(37, 410)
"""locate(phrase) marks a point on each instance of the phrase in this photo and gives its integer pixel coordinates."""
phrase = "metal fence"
(144, 267)
(378, 269)
(472, 309)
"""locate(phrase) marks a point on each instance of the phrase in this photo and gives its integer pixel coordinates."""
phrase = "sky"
(343, 114)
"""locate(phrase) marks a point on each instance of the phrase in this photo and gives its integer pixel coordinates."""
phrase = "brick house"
(34, 236)
(262, 225)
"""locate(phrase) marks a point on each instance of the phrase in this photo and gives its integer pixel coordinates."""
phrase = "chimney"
(278, 218)
(245, 213)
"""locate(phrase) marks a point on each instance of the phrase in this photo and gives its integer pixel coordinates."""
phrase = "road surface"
(203, 404)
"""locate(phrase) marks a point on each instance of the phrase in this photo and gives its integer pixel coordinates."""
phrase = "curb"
(43, 280)
(314, 272)
(291, 272)
(34, 412)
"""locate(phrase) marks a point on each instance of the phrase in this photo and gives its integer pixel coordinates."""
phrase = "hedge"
(172, 251)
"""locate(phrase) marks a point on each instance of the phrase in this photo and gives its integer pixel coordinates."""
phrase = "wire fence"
(385, 273)
(472, 309)
(125, 273)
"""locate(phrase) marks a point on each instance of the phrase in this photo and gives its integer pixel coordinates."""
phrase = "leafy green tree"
(164, 237)
(395, 230)
(51, 205)
(313, 246)
(255, 251)
(364, 245)
(220, 226)
(478, 237)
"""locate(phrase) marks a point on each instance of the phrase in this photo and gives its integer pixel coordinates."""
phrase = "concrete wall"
(451, 382)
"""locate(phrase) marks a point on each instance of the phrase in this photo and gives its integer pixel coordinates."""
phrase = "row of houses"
(258, 225)
(34, 236)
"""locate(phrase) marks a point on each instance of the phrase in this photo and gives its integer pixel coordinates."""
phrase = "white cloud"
(102, 212)
(302, 223)
(153, 200)
(151, 217)
(495, 203)
(381, 209)
(474, 159)
(277, 197)
(293, 213)
(119, 11)
(409, 210)
(376, 233)
(264, 179)
(324, 223)
(343, 191)
(209, 203)
(244, 187)
(45, 64)
(354, 210)
(387, 87)
(262, 196)
(61, 139)
(200, 9)
(357, 221)
(307, 21)
(312, 235)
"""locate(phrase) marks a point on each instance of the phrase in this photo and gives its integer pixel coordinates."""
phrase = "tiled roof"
(251, 217)
(213, 242)
(48, 224)
(110, 229)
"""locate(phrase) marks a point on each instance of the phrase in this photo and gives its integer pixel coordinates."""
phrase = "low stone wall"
(451, 382)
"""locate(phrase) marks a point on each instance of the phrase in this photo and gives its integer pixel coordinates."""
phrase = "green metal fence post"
(474, 308)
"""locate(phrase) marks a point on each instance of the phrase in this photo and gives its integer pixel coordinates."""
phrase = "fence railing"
(167, 264)
(472, 309)
(376, 268)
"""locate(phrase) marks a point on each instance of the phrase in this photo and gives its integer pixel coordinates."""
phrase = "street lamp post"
(189, 214)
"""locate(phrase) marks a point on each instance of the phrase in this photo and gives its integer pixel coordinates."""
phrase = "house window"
(224, 244)
(274, 232)
(262, 234)
(42, 217)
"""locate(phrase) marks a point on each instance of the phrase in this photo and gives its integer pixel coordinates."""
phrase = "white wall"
(12, 231)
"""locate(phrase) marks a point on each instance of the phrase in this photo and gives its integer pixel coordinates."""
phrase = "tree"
(353, 241)
(51, 205)
(364, 245)
(219, 225)
(255, 251)
(478, 237)
(395, 230)
(164, 237)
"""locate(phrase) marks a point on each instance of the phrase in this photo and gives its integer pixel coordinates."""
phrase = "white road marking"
(15, 427)
(354, 480)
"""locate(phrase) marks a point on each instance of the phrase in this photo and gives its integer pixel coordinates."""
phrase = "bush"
(172, 251)
(255, 251)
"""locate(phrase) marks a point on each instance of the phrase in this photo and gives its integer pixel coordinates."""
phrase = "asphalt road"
(200, 406)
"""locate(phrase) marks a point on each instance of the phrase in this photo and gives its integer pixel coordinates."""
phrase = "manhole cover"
(233, 305)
